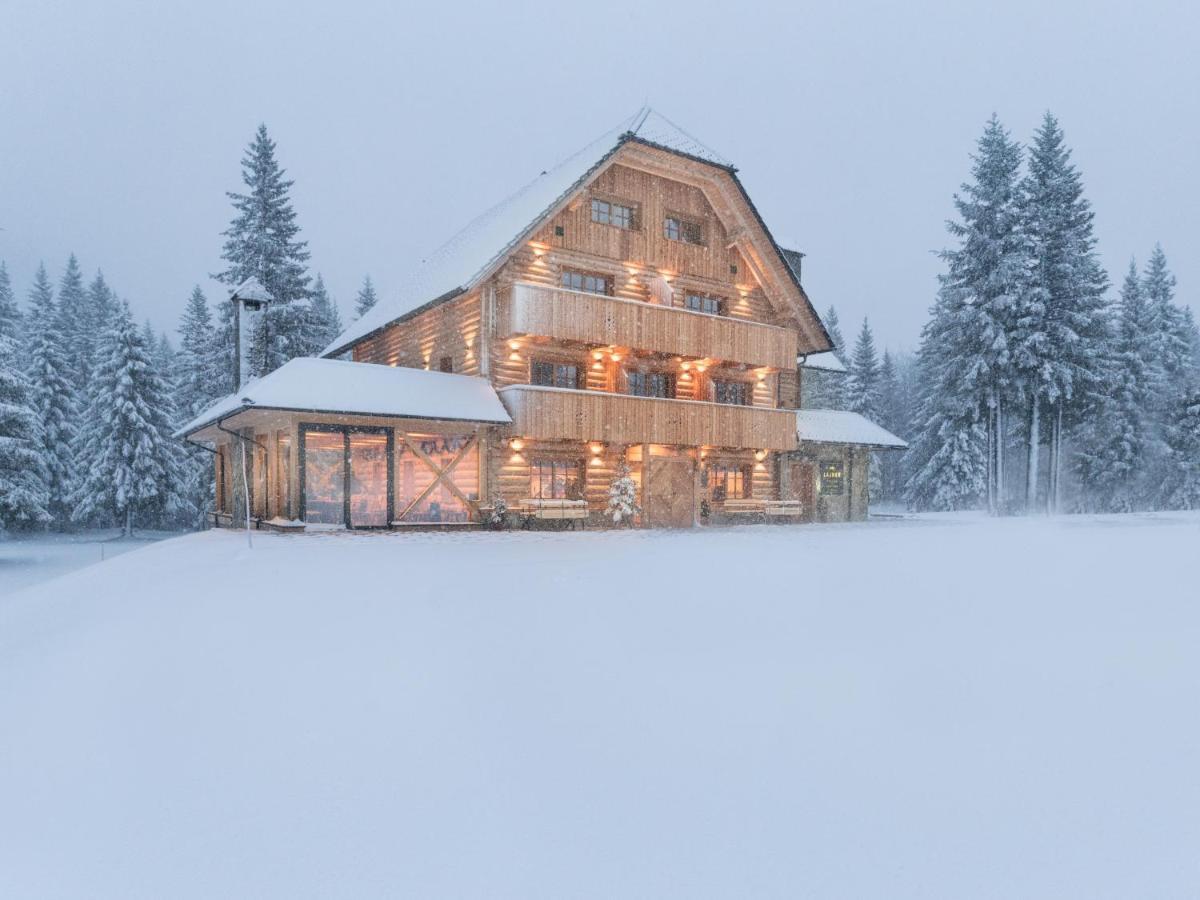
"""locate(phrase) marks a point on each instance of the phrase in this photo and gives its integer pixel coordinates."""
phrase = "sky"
(122, 125)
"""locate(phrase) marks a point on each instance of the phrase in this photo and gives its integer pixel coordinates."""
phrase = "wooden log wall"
(452, 329)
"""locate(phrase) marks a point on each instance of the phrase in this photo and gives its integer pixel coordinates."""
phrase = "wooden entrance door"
(803, 478)
(669, 492)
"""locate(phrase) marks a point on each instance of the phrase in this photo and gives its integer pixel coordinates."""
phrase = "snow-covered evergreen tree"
(1169, 336)
(1181, 486)
(23, 494)
(195, 390)
(366, 298)
(1113, 460)
(126, 434)
(326, 321)
(263, 241)
(10, 314)
(892, 415)
(53, 396)
(74, 324)
(622, 497)
(1059, 342)
(864, 374)
(965, 361)
(827, 390)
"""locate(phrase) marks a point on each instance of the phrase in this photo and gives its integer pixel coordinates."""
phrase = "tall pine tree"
(326, 321)
(864, 374)
(126, 435)
(822, 389)
(263, 241)
(74, 324)
(196, 390)
(366, 298)
(22, 472)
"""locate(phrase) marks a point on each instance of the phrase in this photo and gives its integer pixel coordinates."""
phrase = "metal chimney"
(250, 301)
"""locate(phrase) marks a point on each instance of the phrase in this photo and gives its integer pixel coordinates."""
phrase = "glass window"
(426, 495)
(736, 393)
(583, 281)
(728, 481)
(650, 384)
(556, 479)
(368, 480)
(324, 477)
(552, 374)
(679, 229)
(283, 466)
(607, 213)
(833, 479)
(701, 303)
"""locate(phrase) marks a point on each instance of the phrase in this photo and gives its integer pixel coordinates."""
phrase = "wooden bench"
(566, 511)
(790, 509)
(743, 507)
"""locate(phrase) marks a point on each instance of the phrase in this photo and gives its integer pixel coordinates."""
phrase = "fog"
(122, 125)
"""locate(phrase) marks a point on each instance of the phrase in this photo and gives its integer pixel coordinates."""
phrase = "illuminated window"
(735, 393)
(435, 475)
(701, 303)
(650, 384)
(727, 481)
(685, 230)
(552, 374)
(582, 281)
(833, 479)
(556, 479)
(607, 213)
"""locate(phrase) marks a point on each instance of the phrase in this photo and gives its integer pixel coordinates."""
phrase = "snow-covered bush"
(622, 498)
(498, 517)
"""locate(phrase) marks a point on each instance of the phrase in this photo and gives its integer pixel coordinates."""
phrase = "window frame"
(609, 217)
(718, 302)
(716, 480)
(583, 277)
(645, 377)
(721, 385)
(567, 465)
(555, 365)
(682, 225)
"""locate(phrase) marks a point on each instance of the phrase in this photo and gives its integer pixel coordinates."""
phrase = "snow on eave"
(836, 426)
(360, 389)
(825, 361)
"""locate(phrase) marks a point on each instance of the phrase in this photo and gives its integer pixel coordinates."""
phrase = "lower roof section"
(364, 389)
(835, 426)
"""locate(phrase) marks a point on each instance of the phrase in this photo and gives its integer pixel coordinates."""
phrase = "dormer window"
(586, 282)
(677, 228)
(606, 212)
(703, 304)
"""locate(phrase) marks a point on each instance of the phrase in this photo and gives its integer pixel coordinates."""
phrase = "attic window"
(703, 303)
(676, 228)
(607, 212)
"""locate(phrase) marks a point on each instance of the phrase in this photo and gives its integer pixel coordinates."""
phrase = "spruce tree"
(126, 435)
(10, 314)
(53, 396)
(195, 390)
(74, 324)
(263, 241)
(864, 374)
(366, 298)
(1059, 340)
(965, 357)
(893, 417)
(827, 390)
(1116, 444)
(325, 320)
(23, 494)
(1181, 486)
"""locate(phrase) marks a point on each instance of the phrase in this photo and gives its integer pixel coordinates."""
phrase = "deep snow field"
(943, 707)
(30, 559)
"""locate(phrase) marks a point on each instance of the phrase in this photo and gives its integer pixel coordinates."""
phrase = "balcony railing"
(543, 413)
(597, 319)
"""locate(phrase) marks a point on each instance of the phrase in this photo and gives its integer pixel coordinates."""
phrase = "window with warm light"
(704, 304)
(554, 374)
(727, 481)
(734, 393)
(676, 228)
(586, 282)
(649, 384)
(833, 478)
(556, 479)
(605, 212)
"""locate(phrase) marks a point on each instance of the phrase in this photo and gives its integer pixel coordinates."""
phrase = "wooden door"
(669, 495)
(803, 478)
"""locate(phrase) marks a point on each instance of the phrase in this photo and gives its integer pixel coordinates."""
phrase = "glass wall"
(423, 496)
(324, 477)
(368, 480)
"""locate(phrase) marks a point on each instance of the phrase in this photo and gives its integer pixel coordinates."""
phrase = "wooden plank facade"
(647, 320)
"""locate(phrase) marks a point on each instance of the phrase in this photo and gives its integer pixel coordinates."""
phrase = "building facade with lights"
(628, 309)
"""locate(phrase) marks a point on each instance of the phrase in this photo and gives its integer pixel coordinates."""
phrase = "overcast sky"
(122, 125)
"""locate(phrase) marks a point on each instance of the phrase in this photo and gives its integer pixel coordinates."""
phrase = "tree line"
(89, 400)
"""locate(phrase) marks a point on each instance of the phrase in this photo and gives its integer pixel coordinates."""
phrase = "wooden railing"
(597, 319)
(541, 413)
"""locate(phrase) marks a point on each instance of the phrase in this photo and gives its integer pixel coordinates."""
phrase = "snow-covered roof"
(827, 361)
(365, 389)
(464, 259)
(252, 289)
(835, 426)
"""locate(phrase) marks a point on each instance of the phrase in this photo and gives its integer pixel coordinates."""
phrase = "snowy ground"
(935, 708)
(29, 559)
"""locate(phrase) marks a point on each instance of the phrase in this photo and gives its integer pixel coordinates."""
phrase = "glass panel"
(368, 480)
(413, 476)
(284, 481)
(324, 477)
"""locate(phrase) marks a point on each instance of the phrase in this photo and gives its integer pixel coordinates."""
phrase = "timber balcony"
(545, 413)
(600, 320)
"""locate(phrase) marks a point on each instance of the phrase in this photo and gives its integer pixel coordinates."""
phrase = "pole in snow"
(246, 491)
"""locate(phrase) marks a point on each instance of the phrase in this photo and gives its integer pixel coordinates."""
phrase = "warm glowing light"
(685, 366)
(700, 368)
(597, 449)
(762, 376)
(598, 365)
(759, 467)
(596, 461)
(686, 376)
(616, 357)
(517, 444)
(597, 355)
(514, 345)
(760, 455)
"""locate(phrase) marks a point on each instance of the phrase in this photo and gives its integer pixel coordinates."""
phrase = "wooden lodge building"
(629, 306)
